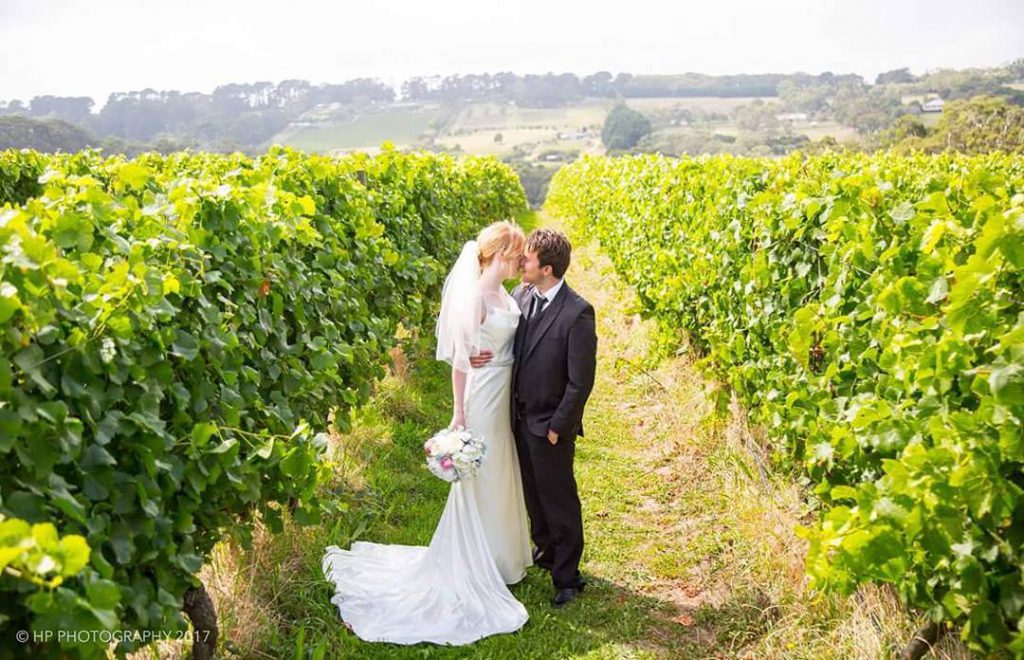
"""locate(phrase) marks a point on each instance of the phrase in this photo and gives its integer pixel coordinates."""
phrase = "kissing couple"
(522, 370)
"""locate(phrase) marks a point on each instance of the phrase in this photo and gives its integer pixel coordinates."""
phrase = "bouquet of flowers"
(454, 454)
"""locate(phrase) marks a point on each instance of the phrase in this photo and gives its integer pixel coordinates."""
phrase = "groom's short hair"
(552, 248)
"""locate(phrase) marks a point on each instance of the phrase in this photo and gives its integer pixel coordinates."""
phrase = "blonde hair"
(500, 238)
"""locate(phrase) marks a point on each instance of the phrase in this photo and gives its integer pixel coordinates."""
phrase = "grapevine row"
(174, 332)
(869, 311)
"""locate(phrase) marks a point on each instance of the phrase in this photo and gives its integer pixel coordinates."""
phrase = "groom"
(555, 355)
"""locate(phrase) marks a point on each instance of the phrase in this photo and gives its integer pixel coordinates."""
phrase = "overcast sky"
(94, 47)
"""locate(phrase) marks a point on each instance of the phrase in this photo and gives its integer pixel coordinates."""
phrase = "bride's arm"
(459, 381)
(458, 397)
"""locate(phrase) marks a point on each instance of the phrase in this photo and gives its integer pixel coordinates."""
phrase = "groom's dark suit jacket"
(553, 372)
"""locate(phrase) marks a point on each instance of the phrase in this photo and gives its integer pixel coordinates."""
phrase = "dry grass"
(236, 579)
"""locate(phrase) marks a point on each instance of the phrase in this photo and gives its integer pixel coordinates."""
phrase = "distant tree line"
(983, 111)
(53, 135)
(873, 108)
(247, 116)
(848, 96)
(47, 135)
(563, 88)
(233, 116)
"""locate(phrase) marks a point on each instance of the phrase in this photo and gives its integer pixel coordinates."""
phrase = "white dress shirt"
(553, 291)
(549, 295)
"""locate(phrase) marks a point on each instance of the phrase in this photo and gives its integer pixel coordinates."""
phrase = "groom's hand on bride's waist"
(480, 359)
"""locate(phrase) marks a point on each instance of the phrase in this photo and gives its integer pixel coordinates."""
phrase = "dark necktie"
(536, 305)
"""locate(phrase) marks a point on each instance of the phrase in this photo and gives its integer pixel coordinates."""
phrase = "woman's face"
(513, 266)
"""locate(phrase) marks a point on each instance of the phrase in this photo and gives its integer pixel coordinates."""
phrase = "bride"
(454, 590)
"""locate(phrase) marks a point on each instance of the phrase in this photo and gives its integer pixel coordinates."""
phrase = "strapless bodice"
(498, 332)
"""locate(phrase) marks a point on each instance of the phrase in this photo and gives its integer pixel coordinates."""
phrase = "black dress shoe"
(566, 595)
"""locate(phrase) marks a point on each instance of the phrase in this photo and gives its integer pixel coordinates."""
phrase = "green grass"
(401, 503)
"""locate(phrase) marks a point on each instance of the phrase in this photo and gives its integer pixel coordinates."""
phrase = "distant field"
(684, 131)
(590, 112)
(401, 126)
(474, 126)
(705, 103)
(839, 131)
(815, 132)
(482, 141)
(480, 116)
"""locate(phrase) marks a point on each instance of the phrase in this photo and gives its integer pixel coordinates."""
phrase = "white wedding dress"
(454, 590)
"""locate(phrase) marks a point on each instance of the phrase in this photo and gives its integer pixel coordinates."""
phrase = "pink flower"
(447, 462)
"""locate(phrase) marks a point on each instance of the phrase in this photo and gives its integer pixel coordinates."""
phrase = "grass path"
(690, 552)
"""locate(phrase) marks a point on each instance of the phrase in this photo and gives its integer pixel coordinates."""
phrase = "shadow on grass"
(390, 497)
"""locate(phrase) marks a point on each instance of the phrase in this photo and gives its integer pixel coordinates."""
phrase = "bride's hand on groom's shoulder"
(481, 358)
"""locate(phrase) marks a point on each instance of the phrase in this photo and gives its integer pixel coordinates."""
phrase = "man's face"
(530, 268)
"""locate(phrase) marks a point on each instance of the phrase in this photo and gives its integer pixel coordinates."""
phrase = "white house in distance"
(581, 134)
(932, 105)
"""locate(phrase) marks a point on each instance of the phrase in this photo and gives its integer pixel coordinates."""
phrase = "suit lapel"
(547, 318)
(520, 295)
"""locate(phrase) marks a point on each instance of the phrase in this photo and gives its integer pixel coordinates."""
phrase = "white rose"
(449, 444)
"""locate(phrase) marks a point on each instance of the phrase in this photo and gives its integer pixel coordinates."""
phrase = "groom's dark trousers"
(553, 375)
